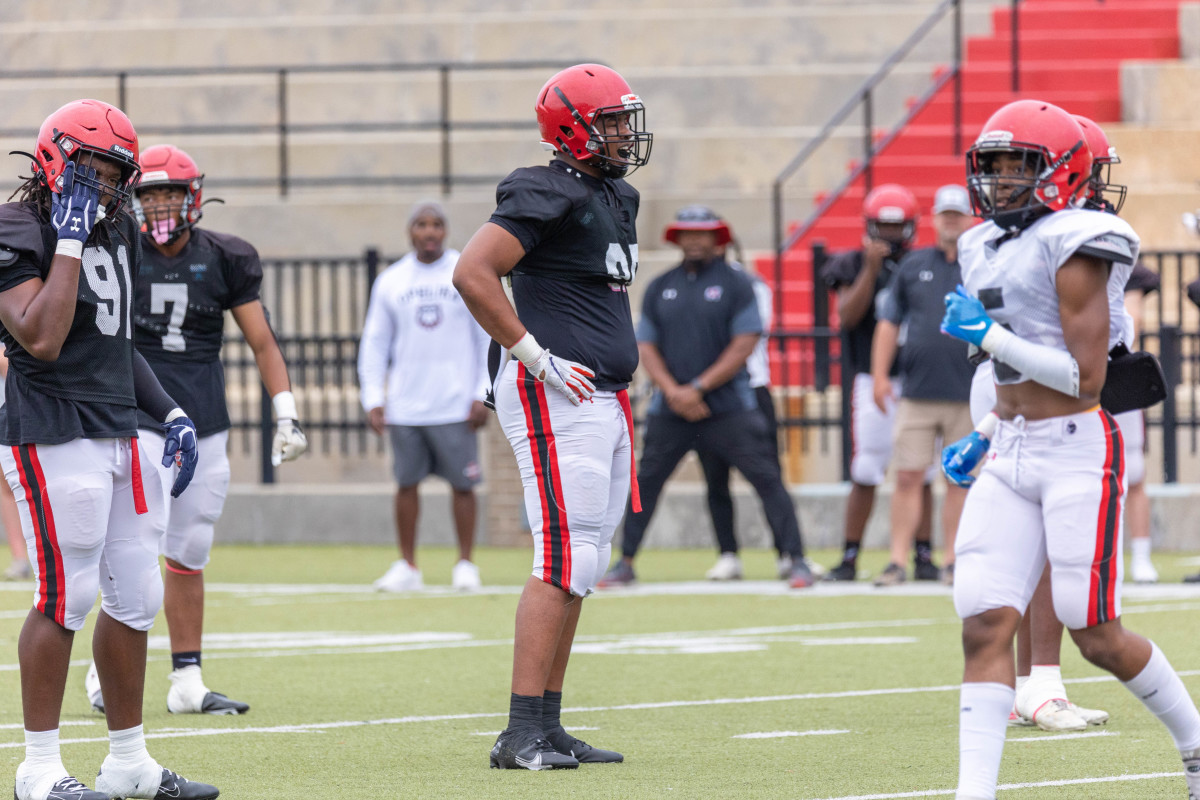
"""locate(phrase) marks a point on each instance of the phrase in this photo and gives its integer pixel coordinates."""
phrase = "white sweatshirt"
(422, 356)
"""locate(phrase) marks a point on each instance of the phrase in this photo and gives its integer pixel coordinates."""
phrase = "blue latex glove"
(180, 449)
(961, 458)
(965, 317)
(75, 208)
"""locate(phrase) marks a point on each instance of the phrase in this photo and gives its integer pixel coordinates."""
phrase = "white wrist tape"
(1046, 365)
(175, 414)
(72, 248)
(987, 426)
(284, 404)
(527, 350)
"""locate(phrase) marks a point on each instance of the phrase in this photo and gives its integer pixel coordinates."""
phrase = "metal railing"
(278, 121)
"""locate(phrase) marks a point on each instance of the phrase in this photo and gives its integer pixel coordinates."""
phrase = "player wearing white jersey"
(1038, 276)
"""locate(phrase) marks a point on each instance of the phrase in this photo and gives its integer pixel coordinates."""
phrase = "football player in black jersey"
(189, 277)
(564, 235)
(92, 516)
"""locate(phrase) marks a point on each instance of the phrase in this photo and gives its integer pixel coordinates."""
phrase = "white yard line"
(1007, 786)
(784, 734)
(1060, 736)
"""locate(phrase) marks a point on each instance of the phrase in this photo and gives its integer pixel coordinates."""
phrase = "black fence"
(317, 307)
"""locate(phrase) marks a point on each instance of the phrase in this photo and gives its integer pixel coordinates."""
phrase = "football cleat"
(91, 684)
(29, 787)
(926, 571)
(522, 748)
(1056, 716)
(1015, 720)
(189, 695)
(619, 574)
(892, 575)
(816, 569)
(1142, 571)
(400, 577)
(801, 577)
(727, 568)
(580, 750)
(158, 783)
(465, 577)
(845, 571)
(1191, 773)
(1092, 716)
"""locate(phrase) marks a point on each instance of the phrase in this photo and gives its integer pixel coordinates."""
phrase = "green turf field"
(711, 691)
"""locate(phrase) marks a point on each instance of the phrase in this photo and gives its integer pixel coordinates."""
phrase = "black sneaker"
(619, 574)
(67, 789)
(1192, 578)
(845, 571)
(171, 787)
(528, 749)
(926, 571)
(583, 752)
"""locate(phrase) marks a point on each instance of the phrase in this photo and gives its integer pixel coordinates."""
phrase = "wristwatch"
(695, 384)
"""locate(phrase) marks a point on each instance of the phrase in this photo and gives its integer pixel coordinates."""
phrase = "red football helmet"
(1100, 190)
(167, 165)
(1031, 158)
(83, 130)
(585, 109)
(894, 204)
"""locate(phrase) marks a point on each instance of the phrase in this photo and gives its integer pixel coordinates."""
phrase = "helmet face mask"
(1031, 159)
(92, 134)
(167, 215)
(588, 112)
(891, 213)
(1102, 193)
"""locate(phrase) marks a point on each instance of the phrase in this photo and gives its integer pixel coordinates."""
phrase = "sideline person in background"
(935, 389)
(700, 322)
(422, 372)
(860, 277)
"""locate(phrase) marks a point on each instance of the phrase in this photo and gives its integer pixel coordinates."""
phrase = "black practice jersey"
(841, 270)
(179, 309)
(581, 254)
(87, 392)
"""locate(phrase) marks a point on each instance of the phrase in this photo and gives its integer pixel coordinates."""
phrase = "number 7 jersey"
(179, 307)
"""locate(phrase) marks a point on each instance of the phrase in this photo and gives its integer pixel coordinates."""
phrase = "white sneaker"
(1142, 571)
(91, 684)
(400, 577)
(727, 568)
(819, 572)
(1092, 716)
(1054, 715)
(120, 780)
(465, 577)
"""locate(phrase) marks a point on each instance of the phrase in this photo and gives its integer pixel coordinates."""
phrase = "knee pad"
(135, 596)
(585, 569)
(189, 536)
(82, 587)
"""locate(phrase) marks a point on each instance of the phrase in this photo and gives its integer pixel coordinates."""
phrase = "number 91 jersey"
(179, 309)
(581, 254)
(87, 391)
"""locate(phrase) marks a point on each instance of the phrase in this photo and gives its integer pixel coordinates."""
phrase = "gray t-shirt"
(933, 366)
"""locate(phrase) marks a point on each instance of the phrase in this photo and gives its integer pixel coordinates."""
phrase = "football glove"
(960, 459)
(180, 449)
(965, 317)
(75, 208)
(572, 380)
(290, 442)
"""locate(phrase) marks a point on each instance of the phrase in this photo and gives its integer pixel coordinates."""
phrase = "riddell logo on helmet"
(631, 101)
(154, 175)
(891, 214)
(116, 148)
(999, 137)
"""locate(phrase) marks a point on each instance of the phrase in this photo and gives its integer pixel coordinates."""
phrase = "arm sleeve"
(151, 397)
(374, 349)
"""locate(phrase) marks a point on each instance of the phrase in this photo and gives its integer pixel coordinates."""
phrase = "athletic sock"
(524, 712)
(128, 747)
(551, 709)
(1140, 549)
(1161, 691)
(982, 722)
(850, 554)
(190, 658)
(42, 752)
(924, 551)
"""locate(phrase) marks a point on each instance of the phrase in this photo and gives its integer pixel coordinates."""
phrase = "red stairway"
(1070, 54)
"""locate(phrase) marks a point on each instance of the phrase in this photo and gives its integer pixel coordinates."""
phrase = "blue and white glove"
(180, 449)
(571, 379)
(75, 209)
(960, 459)
(966, 318)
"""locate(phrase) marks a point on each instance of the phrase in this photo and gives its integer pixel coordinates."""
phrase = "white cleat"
(121, 781)
(465, 577)
(1142, 571)
(1191, 773)
(1092, 716)
(727, 568)
(91, 684)
(189, 695)
(400, 577)
(1056, 716)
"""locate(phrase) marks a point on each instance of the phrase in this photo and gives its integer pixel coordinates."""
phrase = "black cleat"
(568, 745)
(170, 787)
(845, 571)
(528, 749)
(67, 789)
(926, 571)
(217, 703)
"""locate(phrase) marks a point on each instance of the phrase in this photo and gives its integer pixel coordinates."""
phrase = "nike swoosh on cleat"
(534, 764)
